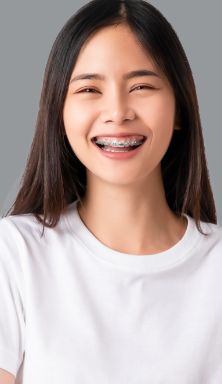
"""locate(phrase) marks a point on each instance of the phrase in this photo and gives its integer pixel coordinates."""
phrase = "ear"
(177, 127)
(177, 123)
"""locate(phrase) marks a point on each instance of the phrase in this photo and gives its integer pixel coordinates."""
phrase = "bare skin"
(125, 205)
(6, 377)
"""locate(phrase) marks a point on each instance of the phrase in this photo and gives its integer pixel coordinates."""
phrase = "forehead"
(114, 45)
(115, 50)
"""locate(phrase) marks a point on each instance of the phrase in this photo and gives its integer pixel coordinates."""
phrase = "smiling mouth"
(113, 145)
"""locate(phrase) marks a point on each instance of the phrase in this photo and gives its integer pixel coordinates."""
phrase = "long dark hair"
(54, 177)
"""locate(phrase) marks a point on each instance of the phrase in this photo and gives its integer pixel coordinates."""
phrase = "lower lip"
(120, 155)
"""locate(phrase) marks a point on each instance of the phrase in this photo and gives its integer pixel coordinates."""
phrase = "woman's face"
(115, 104)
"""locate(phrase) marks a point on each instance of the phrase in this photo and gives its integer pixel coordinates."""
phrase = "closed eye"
(143, 87)
(86, 90)
(140, 87)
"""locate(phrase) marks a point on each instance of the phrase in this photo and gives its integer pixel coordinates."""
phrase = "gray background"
(27, 32)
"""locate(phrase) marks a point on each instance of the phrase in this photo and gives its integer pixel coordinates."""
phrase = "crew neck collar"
(142, 263)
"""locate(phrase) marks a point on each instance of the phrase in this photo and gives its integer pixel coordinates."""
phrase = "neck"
(135, 220)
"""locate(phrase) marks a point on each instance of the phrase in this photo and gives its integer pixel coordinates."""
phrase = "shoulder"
(23, 246)
(26, 227)
(17, 230)
(13, 224)
(213, 233)
(212, 240)
(21, 237)
(210, 249)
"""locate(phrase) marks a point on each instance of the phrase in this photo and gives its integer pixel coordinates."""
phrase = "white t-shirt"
(73, 310)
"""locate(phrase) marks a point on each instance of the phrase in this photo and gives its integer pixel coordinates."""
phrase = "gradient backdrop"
(27, 32)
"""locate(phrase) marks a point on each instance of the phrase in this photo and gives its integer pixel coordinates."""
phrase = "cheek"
(76, 119)
(159, 115)
(167, 110)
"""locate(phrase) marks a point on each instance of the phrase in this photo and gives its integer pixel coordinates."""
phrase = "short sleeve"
(12, 319)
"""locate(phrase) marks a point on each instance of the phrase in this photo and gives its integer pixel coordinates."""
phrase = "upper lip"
(123, 134)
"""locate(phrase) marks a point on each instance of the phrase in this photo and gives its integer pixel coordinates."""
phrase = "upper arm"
(12, 312)
(6, 377)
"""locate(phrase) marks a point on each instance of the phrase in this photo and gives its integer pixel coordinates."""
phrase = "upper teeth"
(119, 142)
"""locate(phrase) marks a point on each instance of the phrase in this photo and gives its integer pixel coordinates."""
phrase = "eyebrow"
(129, 75)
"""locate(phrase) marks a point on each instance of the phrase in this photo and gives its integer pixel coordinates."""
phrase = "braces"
(115, 143)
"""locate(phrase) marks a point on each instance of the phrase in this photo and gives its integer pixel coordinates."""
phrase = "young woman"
(110, 259)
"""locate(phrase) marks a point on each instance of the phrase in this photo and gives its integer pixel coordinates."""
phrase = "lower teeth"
(108, 149)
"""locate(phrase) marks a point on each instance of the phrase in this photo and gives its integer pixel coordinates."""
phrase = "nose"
(117, 110)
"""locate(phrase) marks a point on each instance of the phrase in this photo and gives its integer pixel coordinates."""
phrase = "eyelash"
(139, 86)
